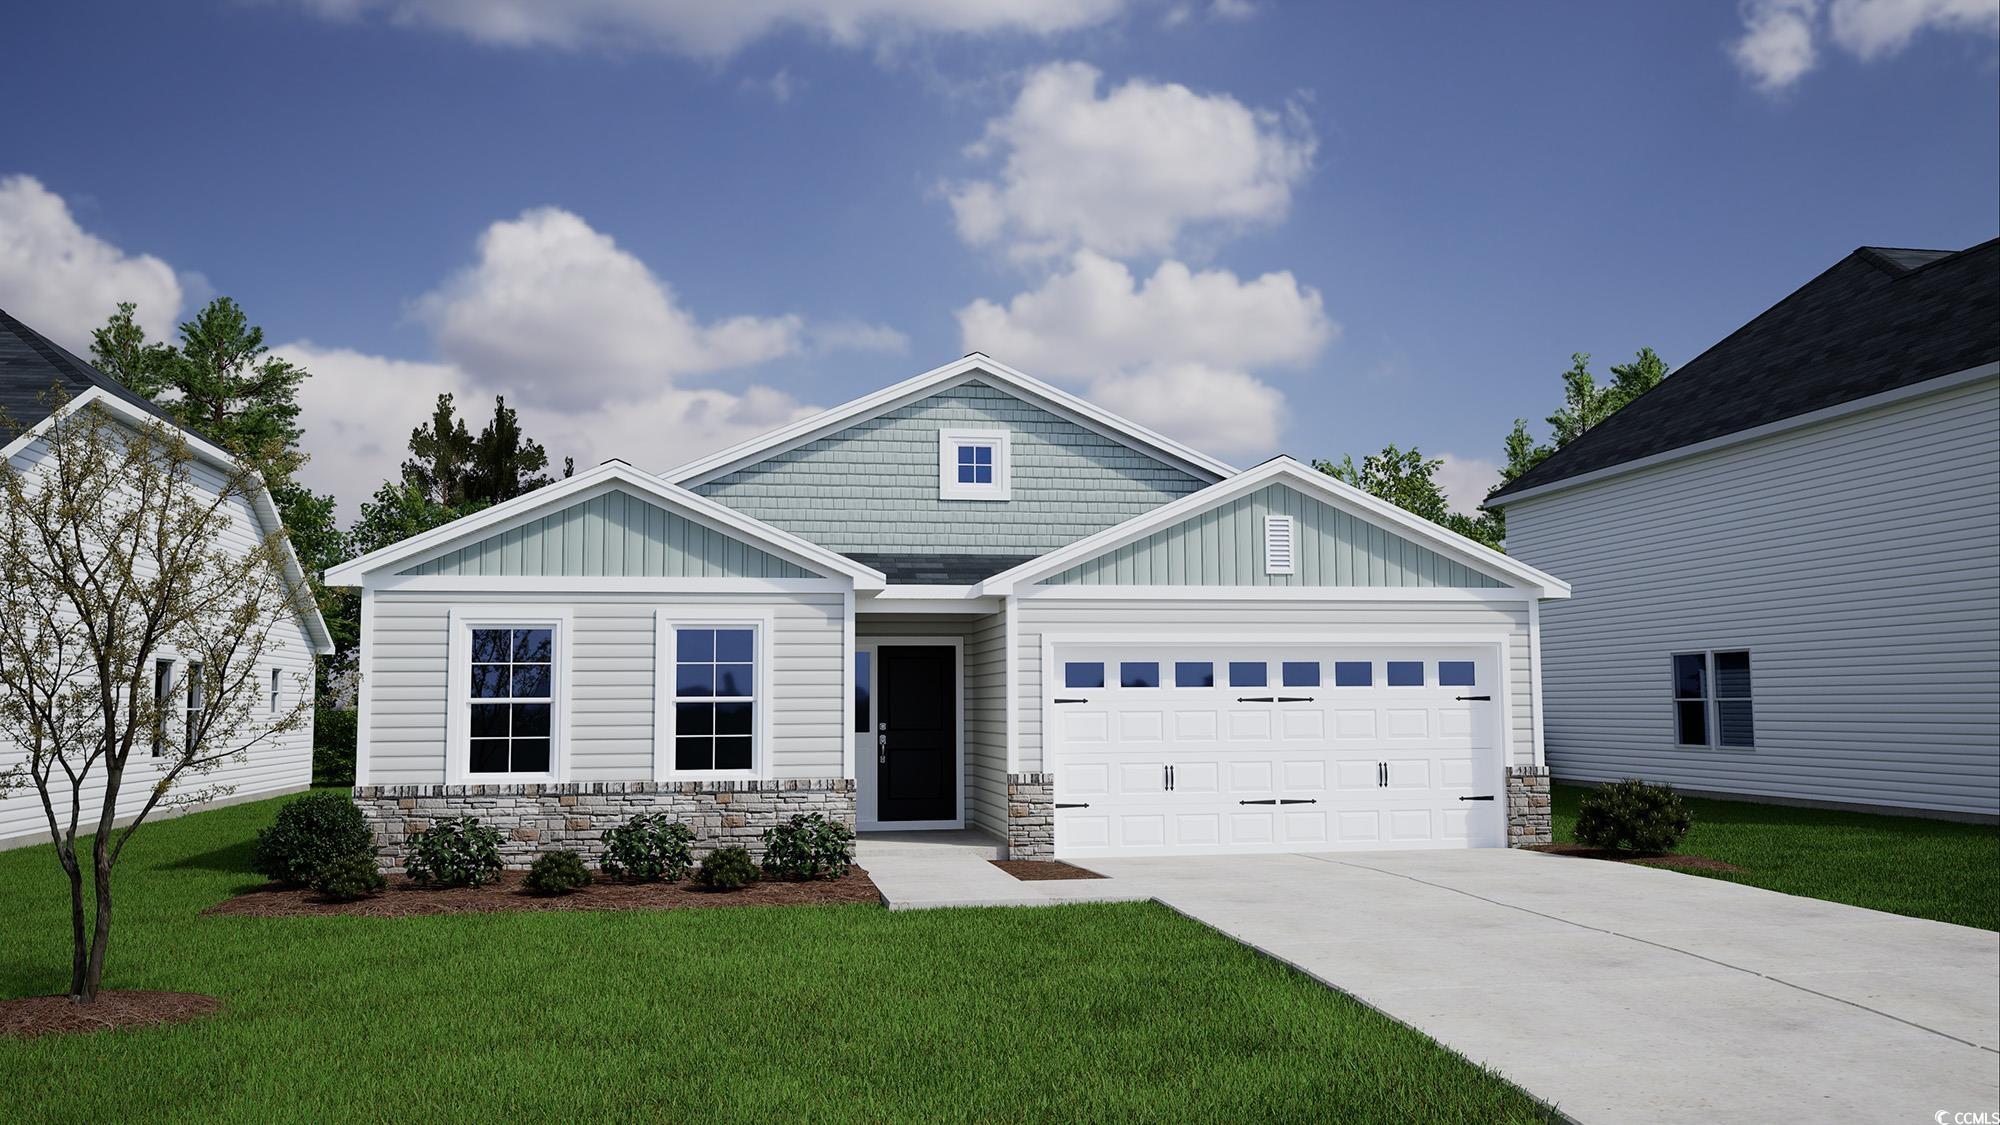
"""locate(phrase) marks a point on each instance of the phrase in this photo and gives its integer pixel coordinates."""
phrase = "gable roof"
(973, 366)
(31, 365)
(1309, 481)
(467, 529)
(1878, 320)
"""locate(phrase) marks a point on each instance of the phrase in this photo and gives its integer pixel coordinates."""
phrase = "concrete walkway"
(920, 870)
(1623, 993)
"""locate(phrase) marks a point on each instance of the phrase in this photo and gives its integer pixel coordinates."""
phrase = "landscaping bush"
(333, 745)
(310, 833)
(460, 852)
(650, 846)
(726, 869)
(558, 873)
(1632, 816)
(350, 877)
(809, 846)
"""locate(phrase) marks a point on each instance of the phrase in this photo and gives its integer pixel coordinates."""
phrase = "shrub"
(809, 846)
(309, 834)
(460, 852)
(350, 877)
(726, 869)
(558, 873)
(1632, 816)
(649, 846)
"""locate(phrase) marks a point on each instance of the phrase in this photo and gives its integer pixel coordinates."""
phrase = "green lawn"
(1122, 1012)
(1905, 865)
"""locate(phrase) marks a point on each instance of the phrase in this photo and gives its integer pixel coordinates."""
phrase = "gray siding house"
(1787, 556)
(969, 600)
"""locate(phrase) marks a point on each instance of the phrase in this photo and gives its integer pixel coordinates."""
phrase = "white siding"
(611, 684)
(1328, 620)
(282, 765)
(1859, 562)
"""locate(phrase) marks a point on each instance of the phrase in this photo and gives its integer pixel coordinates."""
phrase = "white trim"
(1284, 632)
(364, 693)
(951, 488)
(1010, 724)
(577, 489)
(458, 663)
(1312, 482)
(1535, 680)
(973, 366)
(482, 584)
(1281, 544)
(880, 604)
(1798, 421)
(668, 618)
(848, 676)
(1483, 595)
(864, 802)
(261, 503)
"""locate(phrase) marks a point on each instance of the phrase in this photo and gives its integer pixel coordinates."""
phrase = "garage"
(1186, 748)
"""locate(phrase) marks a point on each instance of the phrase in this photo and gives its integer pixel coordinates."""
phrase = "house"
(1787, 555)
(31, 366)
(970, 599)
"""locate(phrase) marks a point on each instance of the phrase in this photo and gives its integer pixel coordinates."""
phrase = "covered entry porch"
(929, 723)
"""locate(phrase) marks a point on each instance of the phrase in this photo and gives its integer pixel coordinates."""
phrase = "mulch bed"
(1643, 859)
(405, 898)
(1034, 869)
(55, 1015)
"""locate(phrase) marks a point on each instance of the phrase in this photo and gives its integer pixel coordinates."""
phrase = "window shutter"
(1278, 544)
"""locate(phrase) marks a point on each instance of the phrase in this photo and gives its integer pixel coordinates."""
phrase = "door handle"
(882, 748)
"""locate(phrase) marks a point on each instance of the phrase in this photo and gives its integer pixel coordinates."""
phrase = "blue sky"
(1261, 227)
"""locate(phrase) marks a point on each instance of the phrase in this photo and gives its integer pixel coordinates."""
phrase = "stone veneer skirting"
(1031, 816)
(1529, 811)
(534, 819)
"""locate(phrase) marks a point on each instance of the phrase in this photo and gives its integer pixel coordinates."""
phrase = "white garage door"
(1177, 748)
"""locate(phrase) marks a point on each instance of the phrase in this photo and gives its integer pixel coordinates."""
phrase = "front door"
(916, 741)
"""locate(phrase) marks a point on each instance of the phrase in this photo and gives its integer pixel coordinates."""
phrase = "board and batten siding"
(1224, 546)
(873, 486)
(1857, 559)
(612, 535)
(1222, 619)
(281, 765)
(611, 668)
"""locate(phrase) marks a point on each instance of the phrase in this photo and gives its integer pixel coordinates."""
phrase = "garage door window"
(1083, 674)
(1301, 673)
(1139, 673)
(1353, 673)
(1455, 673)
(1406, 673)
(1248, 673)
(1194, 673)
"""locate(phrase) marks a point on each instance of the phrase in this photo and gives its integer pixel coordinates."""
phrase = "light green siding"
(873, 487)
(1224, 546)
(612, 535)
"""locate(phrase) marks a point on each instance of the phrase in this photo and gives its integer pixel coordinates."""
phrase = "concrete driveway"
(1624, 993)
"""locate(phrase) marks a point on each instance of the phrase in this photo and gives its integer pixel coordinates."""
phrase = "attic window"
(1280, 533)
(974, 465)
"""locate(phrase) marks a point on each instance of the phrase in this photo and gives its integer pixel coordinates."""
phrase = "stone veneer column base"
(1031, 816)
(1529, 811)
(534, 819)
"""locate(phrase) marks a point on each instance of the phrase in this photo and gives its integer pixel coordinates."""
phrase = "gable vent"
(1279, 535)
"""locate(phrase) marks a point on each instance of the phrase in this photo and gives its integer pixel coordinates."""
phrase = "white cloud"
(1130, 172)
(1781, 37)
(1466, 481)
(722, 27)
(857, 336)
(63, 281)
(1175, 352)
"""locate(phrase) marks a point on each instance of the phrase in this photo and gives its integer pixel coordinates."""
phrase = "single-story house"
(1787, 555)
(970, 599)
(31, 367)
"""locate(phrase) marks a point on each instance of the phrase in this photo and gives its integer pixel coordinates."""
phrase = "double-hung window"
(508, 672)
(196, 701)
(714, 697)
(1712, 700)
(974, 465)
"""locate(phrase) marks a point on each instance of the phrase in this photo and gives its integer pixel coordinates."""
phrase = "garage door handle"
(1480, 698)
(1072, 701)
(1083, 805)
(1484, 797)
(1265, 801)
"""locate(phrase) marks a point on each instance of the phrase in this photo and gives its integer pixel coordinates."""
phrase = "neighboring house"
(968, 600)
(31, 366)
(1787, 555)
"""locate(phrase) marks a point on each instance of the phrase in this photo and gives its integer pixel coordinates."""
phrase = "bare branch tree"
(119, 549)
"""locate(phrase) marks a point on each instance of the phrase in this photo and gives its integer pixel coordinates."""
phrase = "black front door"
(916, 717)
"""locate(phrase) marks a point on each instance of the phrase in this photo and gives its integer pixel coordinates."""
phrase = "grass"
(1125, 1012)
(1904, 865)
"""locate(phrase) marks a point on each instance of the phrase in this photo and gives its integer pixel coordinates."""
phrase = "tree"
(1408, 479)
(1585, 404)
(440, 458)
(111, 554)
(504, 463)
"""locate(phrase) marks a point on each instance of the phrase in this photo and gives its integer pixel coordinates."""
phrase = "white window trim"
(1287, 528)
(665, 621)
(949, 487)
(458, 690)
(1711, 700)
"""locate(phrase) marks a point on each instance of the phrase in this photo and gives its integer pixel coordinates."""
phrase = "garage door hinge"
(1072, 701)
(1083, 805)
(1256, 699)
(1295, 699)
(1265, 801)
(1481, 797)
(1299, 801)
(1481, 698)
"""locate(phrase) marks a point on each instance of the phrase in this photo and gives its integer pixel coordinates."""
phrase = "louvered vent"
(1279, 536)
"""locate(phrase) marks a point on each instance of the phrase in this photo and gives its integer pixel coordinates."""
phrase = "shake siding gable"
(1224, 546)
(873, 487)
(612, 535)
